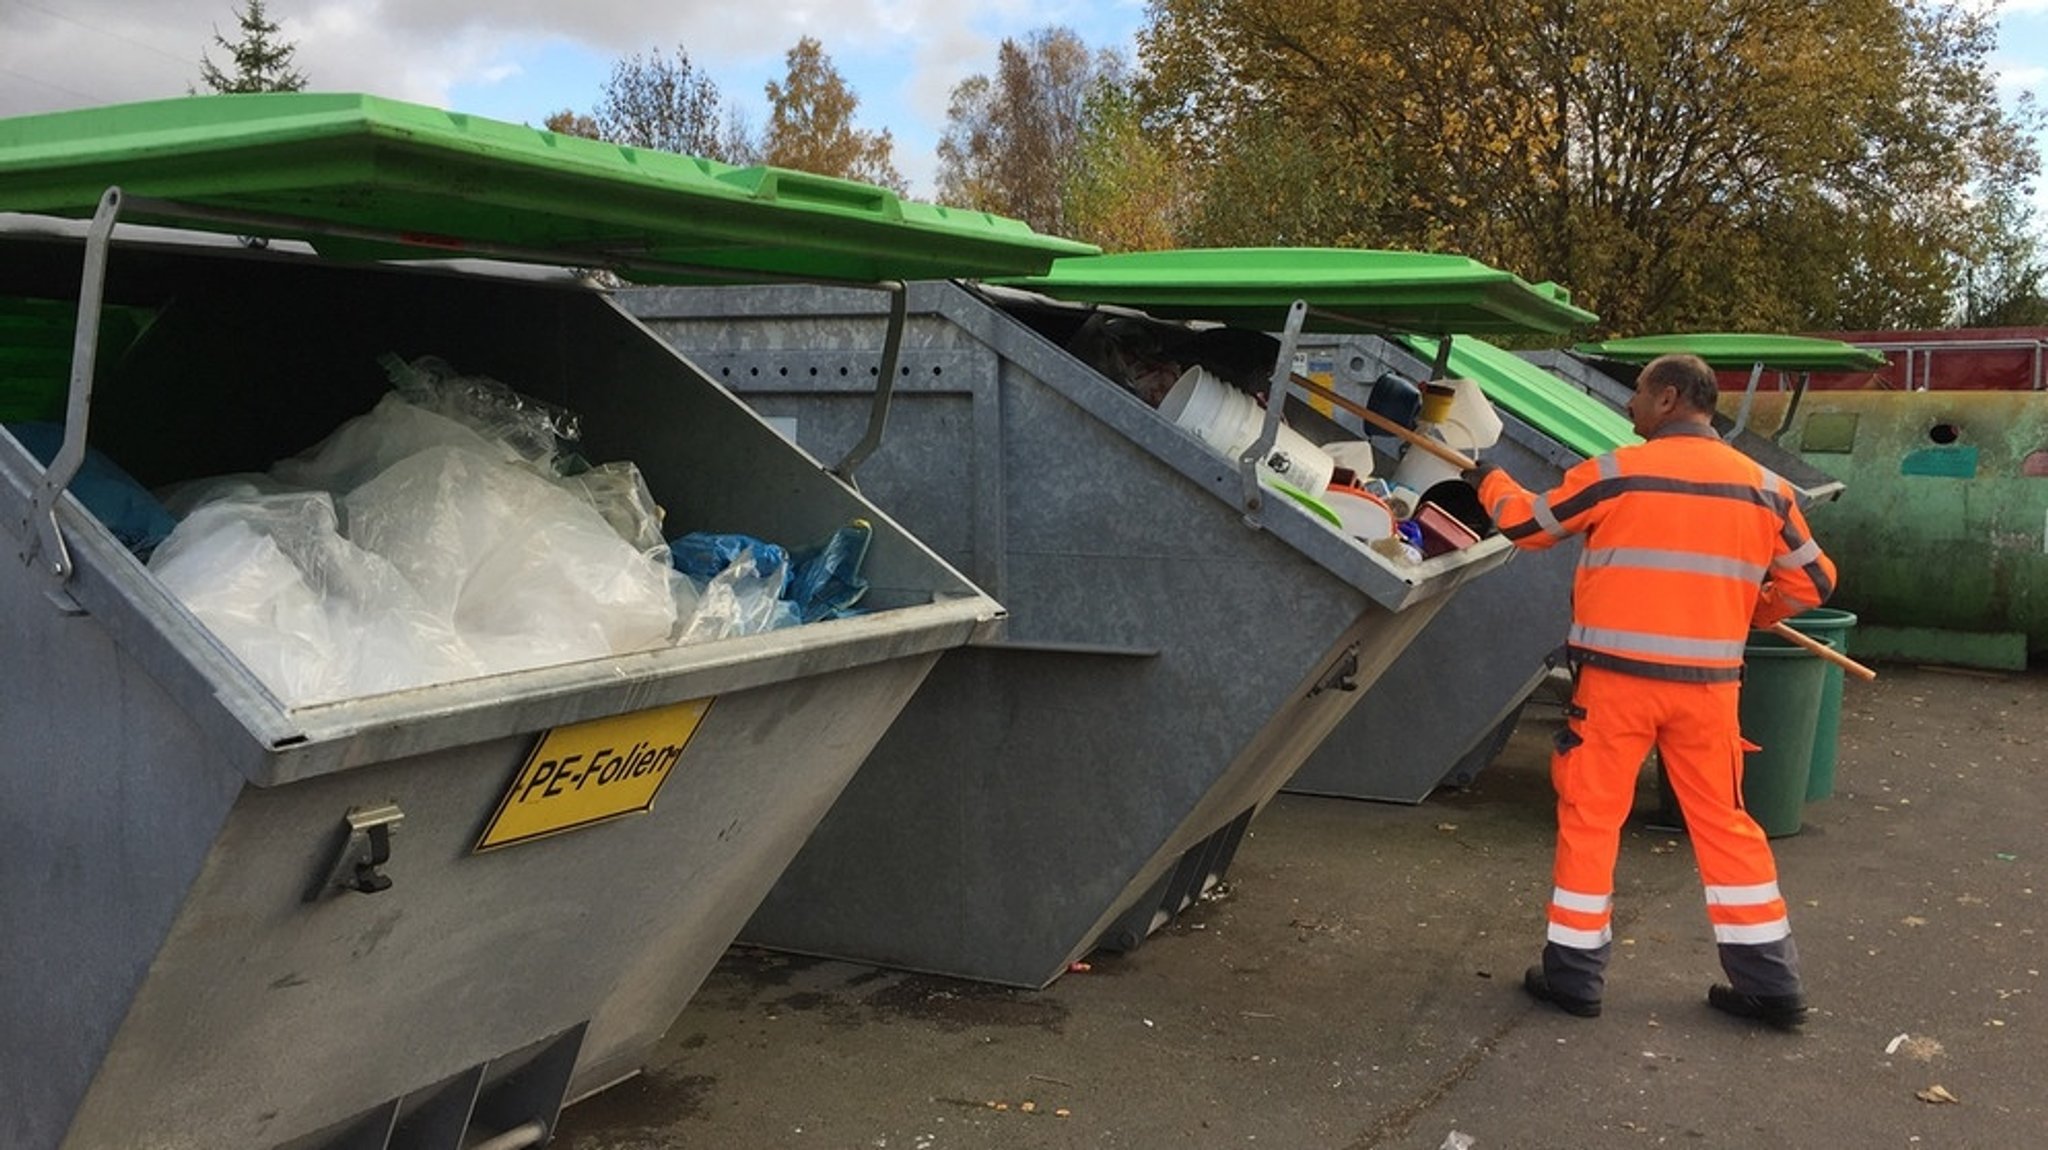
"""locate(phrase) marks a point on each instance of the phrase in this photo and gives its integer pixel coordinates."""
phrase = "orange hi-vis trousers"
(1616, 718)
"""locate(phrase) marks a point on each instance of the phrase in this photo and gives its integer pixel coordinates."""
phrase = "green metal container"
(1939, 534)
(1832, 627)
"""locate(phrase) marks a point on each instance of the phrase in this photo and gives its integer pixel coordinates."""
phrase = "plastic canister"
(1437, 398)
(1229, 421)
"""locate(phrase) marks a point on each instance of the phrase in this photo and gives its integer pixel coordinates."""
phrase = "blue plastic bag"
(114, 498)
(821, 582)
(703, 554)
(826, 583)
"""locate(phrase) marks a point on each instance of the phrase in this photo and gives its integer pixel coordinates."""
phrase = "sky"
(521, 60)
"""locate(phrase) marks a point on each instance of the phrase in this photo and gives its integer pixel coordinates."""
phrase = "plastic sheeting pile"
(446, 535)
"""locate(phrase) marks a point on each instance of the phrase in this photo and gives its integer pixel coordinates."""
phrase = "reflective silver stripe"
(1585, 903)
(1581, 939)
(1773, 482)
(1751, 935)
(1758, 895)
(1689, 562)
(1608, 466)
(1808, 552)
(1497, 505)
(1541, 514)
(1645, 643)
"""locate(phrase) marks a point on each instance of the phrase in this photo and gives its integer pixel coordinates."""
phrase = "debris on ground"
(1936, 1094)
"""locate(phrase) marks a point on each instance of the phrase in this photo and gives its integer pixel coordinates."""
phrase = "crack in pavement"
(1401, 1120)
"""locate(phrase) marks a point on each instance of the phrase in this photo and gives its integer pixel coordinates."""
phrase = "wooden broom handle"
(1434, 447)
(1786, 632)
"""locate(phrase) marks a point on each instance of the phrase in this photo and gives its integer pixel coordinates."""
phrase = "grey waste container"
(1447, 705)
(1165, 666)
(177, 968)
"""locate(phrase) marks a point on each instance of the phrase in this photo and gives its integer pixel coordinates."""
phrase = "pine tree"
(262, 61)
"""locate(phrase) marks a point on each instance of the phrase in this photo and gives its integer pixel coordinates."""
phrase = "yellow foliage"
(1667, 159)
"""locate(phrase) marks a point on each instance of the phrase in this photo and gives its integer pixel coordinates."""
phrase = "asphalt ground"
(1356, 984)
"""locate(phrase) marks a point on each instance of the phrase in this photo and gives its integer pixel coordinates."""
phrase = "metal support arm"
(49, 545)
(885, 383)
(1276, 407)
(1756, 373)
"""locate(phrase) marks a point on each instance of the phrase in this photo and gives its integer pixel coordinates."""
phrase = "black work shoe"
(1538, 985)
(1782, 1011)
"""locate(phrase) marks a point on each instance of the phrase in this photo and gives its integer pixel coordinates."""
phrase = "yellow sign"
(593, 771)
(1319, 402)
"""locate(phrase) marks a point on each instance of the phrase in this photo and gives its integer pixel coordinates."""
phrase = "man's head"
(1673, 389)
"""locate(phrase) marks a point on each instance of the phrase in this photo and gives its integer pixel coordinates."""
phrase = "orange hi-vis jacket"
(1689, 545)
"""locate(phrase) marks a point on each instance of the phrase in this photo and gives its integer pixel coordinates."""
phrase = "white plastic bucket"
(1472, 422)
(1229, 421)
(1419, 470)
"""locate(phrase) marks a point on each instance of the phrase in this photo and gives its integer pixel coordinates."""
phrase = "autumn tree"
(1279, 182)
(1012, 140)
(569, 122)
(662, 102)
(810, 123)
(1680, 163)
(262, 62)
(1123, 191)
(2005, 284)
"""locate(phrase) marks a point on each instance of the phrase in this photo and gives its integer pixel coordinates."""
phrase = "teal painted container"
(1941, 535)
(1832, 627)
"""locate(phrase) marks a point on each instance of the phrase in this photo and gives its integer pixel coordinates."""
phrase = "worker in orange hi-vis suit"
(1689, 545)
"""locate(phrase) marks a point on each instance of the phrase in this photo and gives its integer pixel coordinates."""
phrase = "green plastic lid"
(442, 182)
(1348, 290)
(1536, 397)
(1743, 350)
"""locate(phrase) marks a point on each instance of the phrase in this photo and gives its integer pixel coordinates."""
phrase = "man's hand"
(1477, 473)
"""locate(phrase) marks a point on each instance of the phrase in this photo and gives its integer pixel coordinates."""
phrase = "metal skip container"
(1178, 641)
(391, 920)
(1444, 710)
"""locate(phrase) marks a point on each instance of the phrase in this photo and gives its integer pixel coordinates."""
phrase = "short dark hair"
(1689, 374)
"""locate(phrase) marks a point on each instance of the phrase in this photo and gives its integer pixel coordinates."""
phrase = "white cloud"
(63, 53)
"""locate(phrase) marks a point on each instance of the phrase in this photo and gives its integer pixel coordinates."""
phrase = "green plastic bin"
(1781, 699)
(1832, 627)
(1781, 693)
